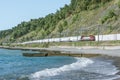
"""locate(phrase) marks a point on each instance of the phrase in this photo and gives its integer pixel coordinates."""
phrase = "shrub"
(119, 3)
(108, 16)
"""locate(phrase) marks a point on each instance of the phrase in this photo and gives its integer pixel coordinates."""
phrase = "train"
(108, 37)
(88, 38)
(63, 39)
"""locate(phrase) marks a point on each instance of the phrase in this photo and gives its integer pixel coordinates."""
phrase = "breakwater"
(46, 53)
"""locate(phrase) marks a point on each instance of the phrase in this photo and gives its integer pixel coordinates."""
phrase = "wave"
(102, 67)
(80, 63)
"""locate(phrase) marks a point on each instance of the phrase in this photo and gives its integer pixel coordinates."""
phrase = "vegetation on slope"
(79, 14)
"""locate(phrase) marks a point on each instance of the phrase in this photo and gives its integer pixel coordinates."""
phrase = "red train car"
(88, 38)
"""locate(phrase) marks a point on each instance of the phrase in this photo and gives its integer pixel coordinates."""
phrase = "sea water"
(14, 66)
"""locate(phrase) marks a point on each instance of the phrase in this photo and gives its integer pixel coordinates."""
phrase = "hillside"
(81, 17)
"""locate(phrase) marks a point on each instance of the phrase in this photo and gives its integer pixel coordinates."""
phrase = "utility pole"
(60, 36)
(98, 34)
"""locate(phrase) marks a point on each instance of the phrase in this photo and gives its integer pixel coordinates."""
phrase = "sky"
(13, 12)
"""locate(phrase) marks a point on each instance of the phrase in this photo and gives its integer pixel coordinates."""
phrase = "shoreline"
(111, 52)
(116, 63)
(108, 50)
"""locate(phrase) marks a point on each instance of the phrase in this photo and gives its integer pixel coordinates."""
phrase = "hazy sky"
(13, 12)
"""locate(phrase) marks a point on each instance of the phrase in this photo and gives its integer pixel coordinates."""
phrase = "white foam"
(102, 67)
(113, 78)
(81, 62)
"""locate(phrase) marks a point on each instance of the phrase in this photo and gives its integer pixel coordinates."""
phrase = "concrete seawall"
(58, 53)
(71, 51)
(45, 52)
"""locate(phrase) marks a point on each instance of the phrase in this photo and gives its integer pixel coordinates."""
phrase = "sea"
(14, 66)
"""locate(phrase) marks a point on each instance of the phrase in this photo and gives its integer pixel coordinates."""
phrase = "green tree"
(60, 28)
